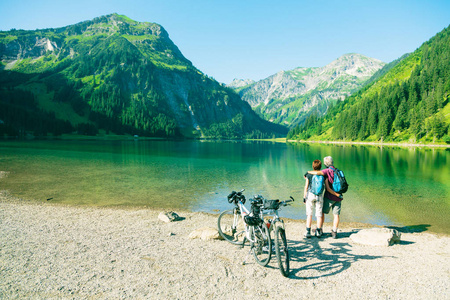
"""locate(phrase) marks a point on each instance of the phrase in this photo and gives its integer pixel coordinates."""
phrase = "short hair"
(317, 165)
(328, 161)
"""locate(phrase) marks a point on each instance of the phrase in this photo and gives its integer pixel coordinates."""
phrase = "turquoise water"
(388, 186)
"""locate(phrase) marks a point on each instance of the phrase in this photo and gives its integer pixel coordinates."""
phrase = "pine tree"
(438, 125)
(440, 93)
(386, 121)
(373, 120)
(400, 121)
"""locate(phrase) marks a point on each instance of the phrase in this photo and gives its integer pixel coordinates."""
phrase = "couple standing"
(331, 200)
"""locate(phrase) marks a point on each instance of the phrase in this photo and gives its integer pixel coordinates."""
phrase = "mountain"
(408, 101)
(114, 75)
(240, 83)
(289, 97)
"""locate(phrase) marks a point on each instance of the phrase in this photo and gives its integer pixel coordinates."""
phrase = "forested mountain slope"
(409, 102)
(114, 75)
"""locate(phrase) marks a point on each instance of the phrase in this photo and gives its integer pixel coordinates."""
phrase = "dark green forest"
(415, 108)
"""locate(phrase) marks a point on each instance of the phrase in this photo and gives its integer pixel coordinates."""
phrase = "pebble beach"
(50, 251)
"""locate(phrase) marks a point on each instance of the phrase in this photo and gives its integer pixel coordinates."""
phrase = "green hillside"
(408, 100)
(114, 75)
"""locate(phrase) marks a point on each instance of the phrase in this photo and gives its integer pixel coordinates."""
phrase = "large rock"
(376, 237)
(205, 233)
(168, 217)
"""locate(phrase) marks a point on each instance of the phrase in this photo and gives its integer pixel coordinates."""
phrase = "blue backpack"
(317, 184)
(340, 184)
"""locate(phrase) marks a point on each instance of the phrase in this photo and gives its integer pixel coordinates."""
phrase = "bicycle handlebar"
(236, 196)
(286, 202)
(289, 200)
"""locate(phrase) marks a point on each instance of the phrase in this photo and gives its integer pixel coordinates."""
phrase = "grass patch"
(133, 38)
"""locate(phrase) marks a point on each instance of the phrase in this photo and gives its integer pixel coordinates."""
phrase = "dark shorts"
(330, 204)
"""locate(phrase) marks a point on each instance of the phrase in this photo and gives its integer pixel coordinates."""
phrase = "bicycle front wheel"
(281, 250)
(231, 226)
(262, 245)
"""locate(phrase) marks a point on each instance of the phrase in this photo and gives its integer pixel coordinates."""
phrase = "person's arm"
(316, 173)
(305, 191)
(329, 189)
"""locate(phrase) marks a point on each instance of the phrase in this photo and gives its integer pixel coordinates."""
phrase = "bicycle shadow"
(321, 261)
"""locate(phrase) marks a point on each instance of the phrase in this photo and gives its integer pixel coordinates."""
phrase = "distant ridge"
(289, 97)
(240, 83)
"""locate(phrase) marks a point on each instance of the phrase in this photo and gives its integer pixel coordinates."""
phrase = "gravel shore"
(52, 251)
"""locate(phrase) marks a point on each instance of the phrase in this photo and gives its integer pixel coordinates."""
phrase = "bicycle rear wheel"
(262, 246)
(281, 250)
(231, 226)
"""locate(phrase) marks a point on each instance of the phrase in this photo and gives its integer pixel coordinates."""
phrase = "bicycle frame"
(249, 230)
(257, 231)
(276, 220)
(276, 217)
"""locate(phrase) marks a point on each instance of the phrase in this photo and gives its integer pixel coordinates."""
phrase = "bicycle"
(277, 226)
(239, 224)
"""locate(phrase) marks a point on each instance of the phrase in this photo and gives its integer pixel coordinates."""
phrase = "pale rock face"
(334, 81)
(239, 83)
(46, 44)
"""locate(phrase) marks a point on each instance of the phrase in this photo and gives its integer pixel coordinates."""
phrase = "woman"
(313, 197)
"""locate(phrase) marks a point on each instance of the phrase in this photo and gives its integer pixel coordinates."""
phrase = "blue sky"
(254, 39)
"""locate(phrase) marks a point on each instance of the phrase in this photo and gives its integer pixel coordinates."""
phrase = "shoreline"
(379, 144)
(348, 225)
(60, 251)
(276, 140)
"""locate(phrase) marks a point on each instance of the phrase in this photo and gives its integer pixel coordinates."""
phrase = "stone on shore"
(205, 233)
(376, 237)
(168, 217)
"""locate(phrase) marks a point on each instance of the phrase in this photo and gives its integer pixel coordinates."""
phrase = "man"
(332, 200)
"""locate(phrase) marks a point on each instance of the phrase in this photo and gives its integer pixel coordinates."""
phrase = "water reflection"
(395, 186)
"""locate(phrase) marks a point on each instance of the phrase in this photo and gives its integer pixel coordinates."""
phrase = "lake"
(388, 185)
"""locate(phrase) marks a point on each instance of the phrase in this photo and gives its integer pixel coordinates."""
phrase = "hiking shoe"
(319, 232)
(334, 234)
(307, 235)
